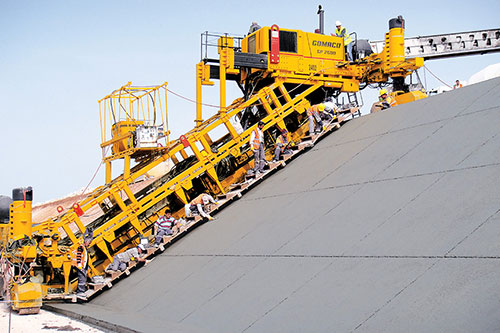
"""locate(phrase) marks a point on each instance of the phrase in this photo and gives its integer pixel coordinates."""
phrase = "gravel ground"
(45, 321)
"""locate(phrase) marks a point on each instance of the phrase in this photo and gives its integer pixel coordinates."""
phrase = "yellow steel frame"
(206, 160)
(133, 106)
(275, 99)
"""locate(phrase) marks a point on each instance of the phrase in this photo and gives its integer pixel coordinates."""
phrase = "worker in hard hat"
(315, 122)
(82, 260)
(331, 111)
(342, 32)
(384, 102)
(332, 108)
(121, 260)
(254, 27)
(457, 85)
(198, 205)
(164, 226)
(258, 148)
(282, 145)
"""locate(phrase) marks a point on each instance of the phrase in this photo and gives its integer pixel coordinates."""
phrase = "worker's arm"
(385, 105)
(252, 137)
(211, 199)
(289, 143)
(375, 107)
(176, 226)
(331, 108)
(140, 257)
(202, 212)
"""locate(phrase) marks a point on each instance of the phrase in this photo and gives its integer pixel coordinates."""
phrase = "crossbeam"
(449, 45)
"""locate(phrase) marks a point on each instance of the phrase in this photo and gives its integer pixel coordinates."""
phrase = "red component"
(60, 209)
(275, 45)
(78, 210)
(184, 141)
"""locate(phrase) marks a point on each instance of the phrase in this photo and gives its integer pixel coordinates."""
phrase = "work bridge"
(390, 223)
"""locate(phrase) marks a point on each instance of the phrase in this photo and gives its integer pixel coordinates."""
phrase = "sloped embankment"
(391, 223)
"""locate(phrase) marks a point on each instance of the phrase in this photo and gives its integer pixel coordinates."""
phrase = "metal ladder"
(352, 102)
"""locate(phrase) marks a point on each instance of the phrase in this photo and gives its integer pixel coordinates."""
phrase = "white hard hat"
(338, 23)
(329, 106)
(205, 199)
(140, 246)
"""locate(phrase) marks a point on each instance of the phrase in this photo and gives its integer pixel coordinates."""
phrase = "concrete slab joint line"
(341, 256)
(395, 296)
(486, 92)
(347, 161)
(473, 231)
(370, 236)
(378, 181)
(407, 128)
(478, 148)
(418, 277)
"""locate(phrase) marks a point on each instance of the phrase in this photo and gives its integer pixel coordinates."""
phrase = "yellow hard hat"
(382, 92)
(321, 107)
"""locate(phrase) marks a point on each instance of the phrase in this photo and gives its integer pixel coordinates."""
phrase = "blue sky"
(59, 57)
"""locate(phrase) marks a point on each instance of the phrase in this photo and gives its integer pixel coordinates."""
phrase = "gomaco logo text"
(327, 44)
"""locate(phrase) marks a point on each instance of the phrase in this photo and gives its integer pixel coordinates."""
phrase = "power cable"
(309, 78)
(425, 78)
(191, 100)
(95, 173)
(437, 77)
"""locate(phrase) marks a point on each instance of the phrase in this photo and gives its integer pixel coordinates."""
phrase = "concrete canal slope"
(391, 223)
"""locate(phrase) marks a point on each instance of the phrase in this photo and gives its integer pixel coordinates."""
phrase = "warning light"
(275, 45)
(78, 210)
(184, 141)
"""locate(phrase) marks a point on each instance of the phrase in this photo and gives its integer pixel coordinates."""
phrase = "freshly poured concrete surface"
(390, 224)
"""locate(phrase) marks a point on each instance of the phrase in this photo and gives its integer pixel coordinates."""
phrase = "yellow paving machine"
(281, 73)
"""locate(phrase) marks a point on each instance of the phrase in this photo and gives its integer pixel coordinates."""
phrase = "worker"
(457, 85)
(121, 260)
(254, 27)
(282, 144)
(257, 144)
(342, 32)
(198, 205)
(82, 261)
(384, 102)
(164, 226)
(332, 108)
(315, 122)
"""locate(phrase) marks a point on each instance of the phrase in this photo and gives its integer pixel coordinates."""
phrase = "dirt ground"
(45, 321)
